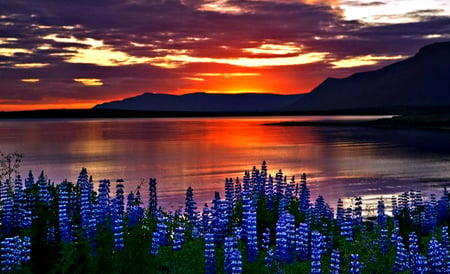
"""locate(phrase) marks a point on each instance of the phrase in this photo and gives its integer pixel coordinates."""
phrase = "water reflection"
(202, 152)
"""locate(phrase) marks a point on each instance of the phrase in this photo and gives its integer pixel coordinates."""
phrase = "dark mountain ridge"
(204, 102)
(420, 81)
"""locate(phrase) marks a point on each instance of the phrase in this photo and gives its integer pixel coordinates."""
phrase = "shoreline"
(439, 119)
(429, 121)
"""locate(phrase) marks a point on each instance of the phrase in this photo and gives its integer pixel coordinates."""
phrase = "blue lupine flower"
(281, 242)
(429, 217)
(14, 253)
(417, 262)
(51, 235)
(44, 194)
(130, 201)
(384, 242)
(92, 233)
(120, 198)
(19, 203)
(347, 231)
(401, 258)
(162, 228)
(413, 243)
(283, 203)
(26, 250)
(266, 239)
(381, 216)
(302, 242)
(291, 237)
(335, 262)
(246, 181)
(210, 259)
(236, 262)
(394, 206)
(220, 220)
(355, 265)
(319, 210)
(178, 238)
(395, 232)
(418, 200)
(404, 203)
(229, 192)
(206, 219)
(270, 194)
(64, 223)
(252, 237)
(85, 200)
(304, 201)
(237, 232)
(420, 265)
(190, 208)
(230, 245)
(155, 243)
(133, 212)
(29, 181)
(444, 238)
(316, 252)
(280, 184)
(442, 207)
(117, 226)
(104, 202)
(237, 188)
(357, 213)
(437, 257)
(269, 259)
(7, 216)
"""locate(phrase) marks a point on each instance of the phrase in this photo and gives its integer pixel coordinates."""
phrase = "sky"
(76, 54)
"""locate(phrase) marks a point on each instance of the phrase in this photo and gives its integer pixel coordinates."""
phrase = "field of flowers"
(264, 224)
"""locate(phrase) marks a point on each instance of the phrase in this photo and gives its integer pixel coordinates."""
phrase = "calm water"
(202, 152)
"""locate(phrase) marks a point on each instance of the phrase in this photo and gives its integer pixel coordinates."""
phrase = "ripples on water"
(202, 152)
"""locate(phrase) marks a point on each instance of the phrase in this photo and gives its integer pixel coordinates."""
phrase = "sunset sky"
(75, 54)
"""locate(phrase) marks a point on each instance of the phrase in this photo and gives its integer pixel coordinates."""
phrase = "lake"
(202, 152)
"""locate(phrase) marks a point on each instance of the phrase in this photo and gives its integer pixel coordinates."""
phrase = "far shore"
(434, 121)
(437, 118)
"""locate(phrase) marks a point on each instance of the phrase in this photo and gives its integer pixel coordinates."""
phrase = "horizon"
(55, 55)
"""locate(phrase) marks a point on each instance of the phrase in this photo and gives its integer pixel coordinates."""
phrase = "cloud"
(89, 81)
(364, 4)
(365, 60)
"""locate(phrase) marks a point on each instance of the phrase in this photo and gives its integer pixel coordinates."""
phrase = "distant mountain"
(420, 81)
(204, 102)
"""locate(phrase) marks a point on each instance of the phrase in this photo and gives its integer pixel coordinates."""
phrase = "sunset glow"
(89, 81)
(59, 55)
(30, 80)
(366, 60)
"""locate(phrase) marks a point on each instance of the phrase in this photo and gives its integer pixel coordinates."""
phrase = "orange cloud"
(89, 81)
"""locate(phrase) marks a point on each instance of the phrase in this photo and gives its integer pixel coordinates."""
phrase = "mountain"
(204, 102)
(420, 81)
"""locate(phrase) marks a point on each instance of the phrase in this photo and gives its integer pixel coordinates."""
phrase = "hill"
(204, 102)
(422, 81)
